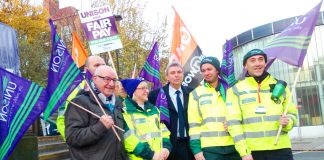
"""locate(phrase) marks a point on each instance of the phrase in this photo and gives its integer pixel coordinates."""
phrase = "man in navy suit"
(177, 96)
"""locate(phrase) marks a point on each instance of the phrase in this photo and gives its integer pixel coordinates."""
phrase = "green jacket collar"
(132, 106)
(219, 88)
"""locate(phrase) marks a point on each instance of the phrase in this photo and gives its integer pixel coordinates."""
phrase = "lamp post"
(117, 18)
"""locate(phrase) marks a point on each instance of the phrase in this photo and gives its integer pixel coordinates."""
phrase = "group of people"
(209, 122)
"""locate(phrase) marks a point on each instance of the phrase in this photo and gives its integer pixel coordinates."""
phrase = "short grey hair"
(104, 68)
(173, 64)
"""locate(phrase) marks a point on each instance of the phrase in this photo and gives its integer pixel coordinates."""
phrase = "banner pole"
(286, 106)
(112, 62)
(101, 108)
(91, 113)
(133, 75)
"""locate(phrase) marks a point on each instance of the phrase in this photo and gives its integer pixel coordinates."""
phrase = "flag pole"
(113, 128)
(95, 97)
(133, 75)
(112, 62)
(286, 106)
(91, 113)
(83, 109)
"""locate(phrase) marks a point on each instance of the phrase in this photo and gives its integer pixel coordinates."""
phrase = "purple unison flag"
(151, 68)
(22, 101)
(88, 76)
(9, 58)
(227, 67)
(63, 74)
(162, 104)
(291, 44)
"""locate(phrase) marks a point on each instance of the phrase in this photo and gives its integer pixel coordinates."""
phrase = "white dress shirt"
(173, 96)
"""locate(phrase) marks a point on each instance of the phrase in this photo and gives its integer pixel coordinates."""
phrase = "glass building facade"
(309, 91)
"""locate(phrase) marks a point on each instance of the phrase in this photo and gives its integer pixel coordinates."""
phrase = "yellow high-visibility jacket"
(144, 134)
(253, 118)
(206, 115)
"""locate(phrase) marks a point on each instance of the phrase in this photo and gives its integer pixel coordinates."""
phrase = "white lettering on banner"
(185, 36)
(101, 33)
(184, 40)
(104, 23)
(6, 100)
(156, 58)
(194, 69)
(163, 96)
(100, 29)
(57, 59)
(299, 22)
(95, 12)
(295, 25)
(76, 51)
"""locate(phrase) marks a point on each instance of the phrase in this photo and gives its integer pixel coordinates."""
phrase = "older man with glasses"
(91, 137)
(91, 64)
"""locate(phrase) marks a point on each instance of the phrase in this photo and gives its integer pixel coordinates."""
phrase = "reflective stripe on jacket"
(253, 118)
(206, 115)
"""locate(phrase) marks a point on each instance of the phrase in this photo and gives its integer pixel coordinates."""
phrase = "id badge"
(260, 110)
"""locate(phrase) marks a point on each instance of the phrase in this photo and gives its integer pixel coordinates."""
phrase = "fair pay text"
(100, 28)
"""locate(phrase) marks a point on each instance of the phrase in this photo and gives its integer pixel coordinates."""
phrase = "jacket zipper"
(259, 85)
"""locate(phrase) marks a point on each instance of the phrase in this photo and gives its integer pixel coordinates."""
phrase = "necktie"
(180, 115)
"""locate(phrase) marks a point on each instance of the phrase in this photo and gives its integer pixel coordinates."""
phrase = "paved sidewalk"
(308, 144)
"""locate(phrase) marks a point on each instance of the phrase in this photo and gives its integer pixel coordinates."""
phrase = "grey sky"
(211, 22)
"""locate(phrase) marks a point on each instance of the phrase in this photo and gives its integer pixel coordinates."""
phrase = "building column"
(320, 88)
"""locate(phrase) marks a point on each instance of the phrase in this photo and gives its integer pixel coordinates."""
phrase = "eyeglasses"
(107, 79)
(144, 88)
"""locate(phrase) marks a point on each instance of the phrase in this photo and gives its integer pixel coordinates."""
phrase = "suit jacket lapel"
(185, 98)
